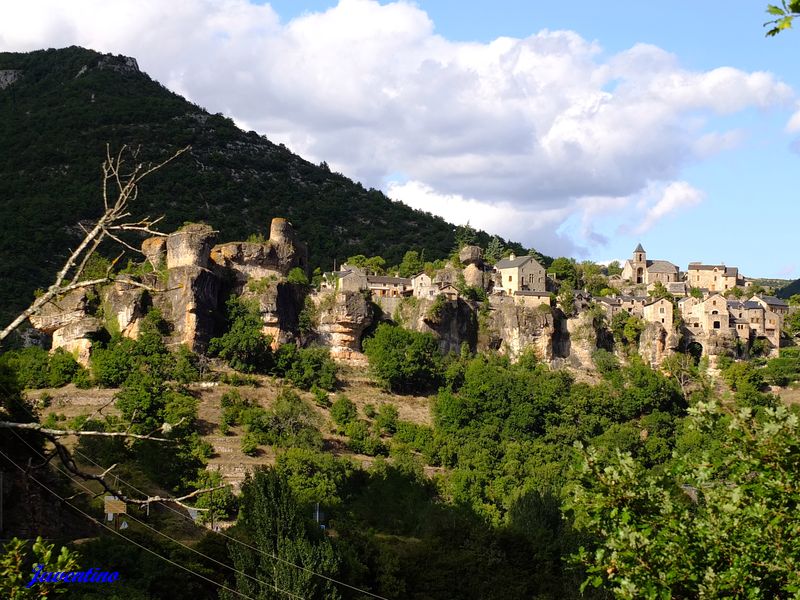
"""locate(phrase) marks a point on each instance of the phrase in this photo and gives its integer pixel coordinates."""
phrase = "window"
(716, 325)
(510, 278)
(661, 310)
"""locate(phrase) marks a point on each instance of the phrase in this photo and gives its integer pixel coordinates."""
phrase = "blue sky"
(578, 129)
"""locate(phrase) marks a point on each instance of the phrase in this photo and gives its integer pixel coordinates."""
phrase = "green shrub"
(369, 411)
(387, 418)
(362, 441)
(306, 367)
(404, 361)
(249, 444)
(343, 411)
(243, 346)
(297, 276)
(62, 369)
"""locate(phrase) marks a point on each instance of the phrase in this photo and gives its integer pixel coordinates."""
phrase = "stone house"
(638, 269)
(658, 311)
(715, 278)
(389, 287)
(776, 305)
(422, 286)
(521, 273)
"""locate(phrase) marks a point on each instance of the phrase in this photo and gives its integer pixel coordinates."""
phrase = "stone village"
(519, 312)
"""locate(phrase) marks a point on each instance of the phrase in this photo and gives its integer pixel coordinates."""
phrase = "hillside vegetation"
(66, 105)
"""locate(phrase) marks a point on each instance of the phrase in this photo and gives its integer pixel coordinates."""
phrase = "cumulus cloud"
(676, 196)
(545, 127)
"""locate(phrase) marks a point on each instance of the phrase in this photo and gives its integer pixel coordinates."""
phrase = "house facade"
(521, 273)
(714, 278)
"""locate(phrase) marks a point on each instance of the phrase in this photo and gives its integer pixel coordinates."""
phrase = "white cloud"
(544, 127)
(676, 196)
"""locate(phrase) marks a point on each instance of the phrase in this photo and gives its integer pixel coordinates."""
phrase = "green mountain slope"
(65, 105)
(789, 290)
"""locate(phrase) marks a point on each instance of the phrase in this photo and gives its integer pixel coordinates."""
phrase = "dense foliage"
(56, 120)
(404, 361)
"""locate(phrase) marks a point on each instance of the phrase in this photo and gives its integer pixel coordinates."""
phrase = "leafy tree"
(730, 513)
(17, 565)
(387, 418)
(314, 476)
(566, 298)
(465, 235)
(660, 291)
(404, 361)
(275, 523)
(696, 292)
(343, 411)
(565, 270)
(614, 268)
(495, 250)
(243, 346)
(783, 15)
(411, 265)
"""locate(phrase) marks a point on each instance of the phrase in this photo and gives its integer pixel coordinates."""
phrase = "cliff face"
(511, 329)
(451, 322)
(341, 319)
(188, 287)
(657, 343)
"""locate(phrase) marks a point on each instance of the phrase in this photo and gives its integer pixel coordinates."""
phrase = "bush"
(62, 369)
(306, 367)
(249, 444)
(405, 361)
(343, 411)
(243, 346)
(362, 441)
(30, 365)
(297, 276)
(387, 418)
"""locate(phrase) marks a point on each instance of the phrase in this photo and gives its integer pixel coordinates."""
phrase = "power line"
(85, 487)
(228, 537)
(127, 539)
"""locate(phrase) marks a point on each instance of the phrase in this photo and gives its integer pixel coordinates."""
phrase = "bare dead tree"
(120, 186)
(122, 174)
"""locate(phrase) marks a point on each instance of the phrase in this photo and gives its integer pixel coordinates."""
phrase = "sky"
(578, 129)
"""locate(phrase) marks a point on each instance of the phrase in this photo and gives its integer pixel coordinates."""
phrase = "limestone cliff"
(280, 304)
(341, 319)
(70, 322)
(281, 253)
(512, 328)
(657, 342)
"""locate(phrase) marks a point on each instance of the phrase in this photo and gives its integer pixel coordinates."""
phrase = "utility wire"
(228, 537)
(273, 585)
(135, 543)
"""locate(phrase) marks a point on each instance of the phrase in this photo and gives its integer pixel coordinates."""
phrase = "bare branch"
(62, 432)
(115, 210)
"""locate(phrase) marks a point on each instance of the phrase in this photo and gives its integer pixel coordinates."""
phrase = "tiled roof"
(639, 248)
(661, 266)
(388, 280)
(511, 263)
(773, 301)
(728, 271)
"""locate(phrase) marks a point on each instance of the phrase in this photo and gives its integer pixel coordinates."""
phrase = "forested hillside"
(60, 108)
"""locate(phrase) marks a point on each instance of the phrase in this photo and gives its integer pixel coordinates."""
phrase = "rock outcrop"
(451, 322)
(191, 297)
(657, 342)
(341, 320)
(68, 319)
(124, 306)
(511, 329)
(273, 258)
(190, 246)
(280, 304)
